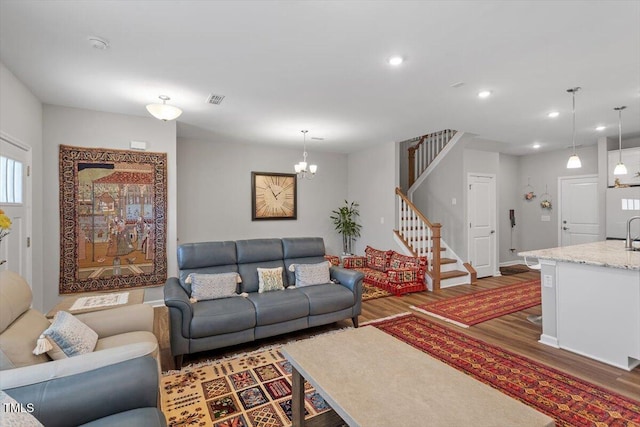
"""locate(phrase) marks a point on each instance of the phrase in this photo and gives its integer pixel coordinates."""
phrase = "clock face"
(273, 196)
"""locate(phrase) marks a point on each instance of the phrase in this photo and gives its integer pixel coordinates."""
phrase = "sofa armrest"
(43, 372)
(120, 320)
(87, 396)
(350, 279)
(176, 297)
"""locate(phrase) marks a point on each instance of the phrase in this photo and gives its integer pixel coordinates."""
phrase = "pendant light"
(574, 161)
(301, 167)
(620, 169)
(164, 111)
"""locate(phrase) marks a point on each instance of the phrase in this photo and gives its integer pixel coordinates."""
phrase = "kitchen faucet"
(627, 245)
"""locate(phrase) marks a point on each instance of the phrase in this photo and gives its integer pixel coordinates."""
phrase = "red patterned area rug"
(477, 307)
(571, 401)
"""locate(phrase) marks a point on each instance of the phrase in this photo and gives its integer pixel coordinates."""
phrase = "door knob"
(493, 231)
(565, 228)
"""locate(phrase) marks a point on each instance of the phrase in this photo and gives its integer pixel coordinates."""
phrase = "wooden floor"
(512, 332)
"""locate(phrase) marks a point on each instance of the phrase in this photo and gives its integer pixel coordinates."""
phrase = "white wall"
(85, 128)
(21, 119)
(509, 198)
(214, 192)
(543, 170)
(372, 179)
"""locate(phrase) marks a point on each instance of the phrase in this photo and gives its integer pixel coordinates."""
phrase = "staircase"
(415, 232)
(422, 238)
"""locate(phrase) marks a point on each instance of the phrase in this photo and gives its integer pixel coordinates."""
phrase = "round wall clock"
(273, 195)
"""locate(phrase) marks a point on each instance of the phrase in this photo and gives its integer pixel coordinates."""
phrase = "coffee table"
(372, 379)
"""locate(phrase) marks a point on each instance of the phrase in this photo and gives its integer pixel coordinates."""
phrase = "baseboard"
(509, 263)
(549, 340)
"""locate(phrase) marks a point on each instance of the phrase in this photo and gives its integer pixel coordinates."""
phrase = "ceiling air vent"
(215, 99)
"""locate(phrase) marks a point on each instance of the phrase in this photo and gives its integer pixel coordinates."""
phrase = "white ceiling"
(284, 66)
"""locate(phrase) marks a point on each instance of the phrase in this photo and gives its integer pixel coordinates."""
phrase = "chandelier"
(164, 111)
(302, 168)
(620, 169)
(574, 161)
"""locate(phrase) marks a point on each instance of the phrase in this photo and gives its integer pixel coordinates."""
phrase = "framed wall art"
(273, 196)
(113, 210)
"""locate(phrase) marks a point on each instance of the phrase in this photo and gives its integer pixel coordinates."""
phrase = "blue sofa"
(211, 324)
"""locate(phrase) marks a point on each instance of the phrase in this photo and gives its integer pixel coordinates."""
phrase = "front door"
(14, 201)
(579, 210)
(481, 203)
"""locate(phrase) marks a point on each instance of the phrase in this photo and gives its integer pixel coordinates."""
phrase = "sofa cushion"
(376, 259)
(275, 307)
(397, 261)
(68, 337)
(312, 274)
(222, 316)
(327, 298)
(354, 262)
(270, 279)
(213, 286)
(126, 339)
(19, 339)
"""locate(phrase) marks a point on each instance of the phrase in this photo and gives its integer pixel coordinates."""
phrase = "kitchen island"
(591, 301)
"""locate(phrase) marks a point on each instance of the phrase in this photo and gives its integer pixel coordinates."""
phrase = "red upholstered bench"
(389, 270)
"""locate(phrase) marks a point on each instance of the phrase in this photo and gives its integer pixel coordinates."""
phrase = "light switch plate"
(547, 281)
(545, 218)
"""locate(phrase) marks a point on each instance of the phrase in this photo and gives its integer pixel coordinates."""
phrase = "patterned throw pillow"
(66, 337)
(354, 262)
(213, 286)
(376, 259)
(16, 418)
(403, 261)
(270, 279)
(312, 274)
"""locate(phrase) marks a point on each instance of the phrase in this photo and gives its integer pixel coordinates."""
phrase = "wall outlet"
(454, 201)
(381, 220)
(547, 281)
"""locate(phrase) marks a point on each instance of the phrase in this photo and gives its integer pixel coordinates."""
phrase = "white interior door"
(481, 203)
(579, 210)
(14, 201)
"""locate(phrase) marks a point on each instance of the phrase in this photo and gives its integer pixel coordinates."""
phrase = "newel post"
(435, 258)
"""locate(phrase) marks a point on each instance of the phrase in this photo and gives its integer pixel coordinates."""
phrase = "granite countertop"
(610, 253)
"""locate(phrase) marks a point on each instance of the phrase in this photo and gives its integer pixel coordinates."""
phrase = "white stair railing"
(425, 151)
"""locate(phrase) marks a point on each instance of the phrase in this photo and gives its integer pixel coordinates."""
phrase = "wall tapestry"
(113, 207)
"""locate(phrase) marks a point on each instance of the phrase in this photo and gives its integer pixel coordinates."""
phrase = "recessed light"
(553, 114)
(484, 94)
(600, 128)
(536, 145)
(396, 60)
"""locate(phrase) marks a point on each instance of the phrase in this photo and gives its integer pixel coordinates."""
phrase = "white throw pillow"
(312, 274)
(270, 279)
(66, 337)
(213, 286)
(13, 414)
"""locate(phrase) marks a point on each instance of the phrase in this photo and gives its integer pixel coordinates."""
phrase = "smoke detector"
(98, 42)
(214, 99)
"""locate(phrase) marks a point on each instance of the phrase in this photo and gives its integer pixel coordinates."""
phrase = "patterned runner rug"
(249, 390)
(371, 292)
(477, 307)
(571, 401)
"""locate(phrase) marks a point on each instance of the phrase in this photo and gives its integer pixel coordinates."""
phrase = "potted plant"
(344, 219)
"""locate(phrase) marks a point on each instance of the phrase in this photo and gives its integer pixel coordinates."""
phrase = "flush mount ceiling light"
(553, 114)
(98, 42)
(574, 161)
(600, 128)
(620, 169)
(301, 167)
(396, 60)
(484, 94)
(536, 145)
(164, 111)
